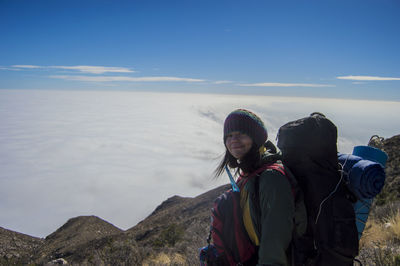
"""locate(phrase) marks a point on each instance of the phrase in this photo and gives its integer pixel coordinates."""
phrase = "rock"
(60, 261)
(387, 225)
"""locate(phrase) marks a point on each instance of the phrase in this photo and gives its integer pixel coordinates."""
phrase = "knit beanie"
(248, 123)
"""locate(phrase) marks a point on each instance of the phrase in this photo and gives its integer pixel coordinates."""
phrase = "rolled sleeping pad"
(371, 153)
(366, 178)
(363, 205)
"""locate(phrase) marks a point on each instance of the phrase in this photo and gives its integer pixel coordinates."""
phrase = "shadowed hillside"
(17, 247)
(170, 235)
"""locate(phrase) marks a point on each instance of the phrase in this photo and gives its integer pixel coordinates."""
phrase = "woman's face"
(238, 144)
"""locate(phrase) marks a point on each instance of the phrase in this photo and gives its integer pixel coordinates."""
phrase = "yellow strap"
(262, 150)
(248, 223)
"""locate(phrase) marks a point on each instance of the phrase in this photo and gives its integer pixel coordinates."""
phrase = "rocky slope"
(171, 235)
(16, 247)
(391, 190)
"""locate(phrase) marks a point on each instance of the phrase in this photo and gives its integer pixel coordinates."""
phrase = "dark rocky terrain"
(171, 235)
(17, 247)
(391, 190)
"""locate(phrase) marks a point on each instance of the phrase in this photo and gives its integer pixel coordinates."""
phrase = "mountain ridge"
(171, 234)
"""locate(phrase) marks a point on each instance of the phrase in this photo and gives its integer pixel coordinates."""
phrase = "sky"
(336, 49)
(104, 101)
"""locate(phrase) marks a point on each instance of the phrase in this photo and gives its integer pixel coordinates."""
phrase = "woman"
(271, 227)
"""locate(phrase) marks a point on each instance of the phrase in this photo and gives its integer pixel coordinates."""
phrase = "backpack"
(231, 243)
(309, 153)
(308, 147)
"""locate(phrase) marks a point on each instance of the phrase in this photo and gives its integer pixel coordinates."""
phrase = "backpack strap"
(274, 166)
(281, 169)
(232, 180)
(277, 167)
(284, 171)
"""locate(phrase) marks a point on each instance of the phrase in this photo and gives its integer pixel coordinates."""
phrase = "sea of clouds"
(119, 154)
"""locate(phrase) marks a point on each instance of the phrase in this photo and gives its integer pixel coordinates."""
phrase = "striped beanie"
(248, 123)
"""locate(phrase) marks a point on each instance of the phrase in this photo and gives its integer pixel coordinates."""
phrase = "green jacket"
(274, 221)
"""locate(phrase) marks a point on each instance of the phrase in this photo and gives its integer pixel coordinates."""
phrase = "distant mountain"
(74, 236)
(171, 235)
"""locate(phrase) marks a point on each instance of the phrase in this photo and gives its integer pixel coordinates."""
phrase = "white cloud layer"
(121, 78)
(223, 82)
(70, 153)
(367, 78)
(277, 84)
(9, 68)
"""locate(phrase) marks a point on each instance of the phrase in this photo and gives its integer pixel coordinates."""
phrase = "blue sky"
(341, 49)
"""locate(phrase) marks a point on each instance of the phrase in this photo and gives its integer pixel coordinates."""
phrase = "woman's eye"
(236, 135)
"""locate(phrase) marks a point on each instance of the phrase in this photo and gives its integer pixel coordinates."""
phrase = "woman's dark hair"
(250, 162)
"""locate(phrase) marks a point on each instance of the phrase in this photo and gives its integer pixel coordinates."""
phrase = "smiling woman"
(244, 134)
(266, 203)
(238, 144)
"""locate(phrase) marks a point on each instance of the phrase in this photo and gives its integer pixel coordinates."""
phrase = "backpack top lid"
(311, 134)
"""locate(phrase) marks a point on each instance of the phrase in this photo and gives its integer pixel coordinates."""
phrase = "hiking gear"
(233, 183)
(365, 178)
(269, 200)
(309, 150)
(247, 221)
(228, 231)
(248, 123)
(361, 209)
(208, 256)
(371, 153)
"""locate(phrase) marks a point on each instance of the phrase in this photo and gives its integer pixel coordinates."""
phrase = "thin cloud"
(9, 68)
(367, 78)
(82, 69)
(121, 78)
(95, 69)
(26, 66)
(274, 84)
(223, 82)
(101, 70)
